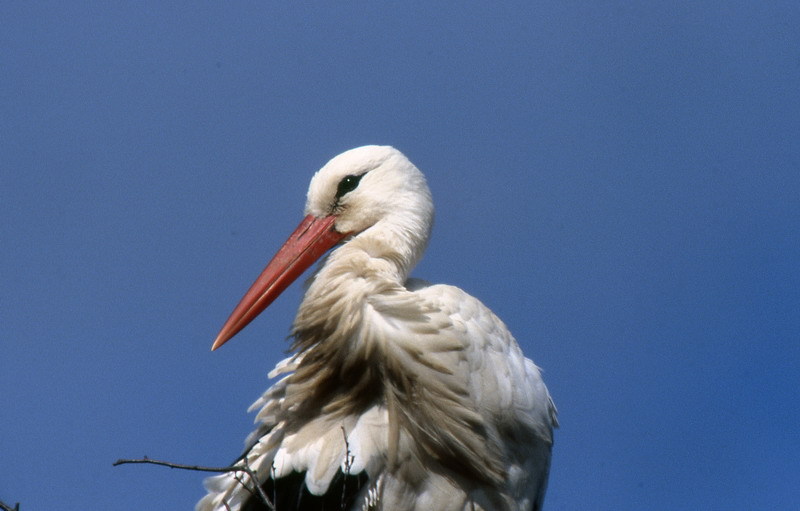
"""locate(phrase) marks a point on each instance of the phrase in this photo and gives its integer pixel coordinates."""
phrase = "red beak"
(312, 238)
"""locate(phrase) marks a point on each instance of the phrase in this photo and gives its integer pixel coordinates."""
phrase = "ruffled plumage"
(400, 395)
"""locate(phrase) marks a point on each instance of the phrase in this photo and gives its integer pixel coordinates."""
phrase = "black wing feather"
(290, 493)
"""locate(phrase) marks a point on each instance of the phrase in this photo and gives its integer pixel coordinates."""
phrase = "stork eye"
(348, 184)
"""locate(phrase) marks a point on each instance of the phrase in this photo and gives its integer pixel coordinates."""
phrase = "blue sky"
(620, 183)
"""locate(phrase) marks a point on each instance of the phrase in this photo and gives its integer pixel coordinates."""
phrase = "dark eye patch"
(347, 184)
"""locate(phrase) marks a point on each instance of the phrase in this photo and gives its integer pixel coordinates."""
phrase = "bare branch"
(233, 468)
(6, 507)
(348, 457)
(261, 495)
(348, 463)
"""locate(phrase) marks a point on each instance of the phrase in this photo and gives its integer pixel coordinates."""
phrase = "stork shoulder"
(507, 386)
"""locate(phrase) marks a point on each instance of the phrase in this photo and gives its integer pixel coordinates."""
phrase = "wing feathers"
(418, 400)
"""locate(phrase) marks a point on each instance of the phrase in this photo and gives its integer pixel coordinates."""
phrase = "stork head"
(368, 193)
(366, 185)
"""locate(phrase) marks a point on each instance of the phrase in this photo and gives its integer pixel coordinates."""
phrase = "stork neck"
(388, 250)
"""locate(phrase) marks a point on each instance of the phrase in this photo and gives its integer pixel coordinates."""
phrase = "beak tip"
(219, 341)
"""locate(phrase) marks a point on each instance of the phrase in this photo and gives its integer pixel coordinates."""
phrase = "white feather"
(440, 408)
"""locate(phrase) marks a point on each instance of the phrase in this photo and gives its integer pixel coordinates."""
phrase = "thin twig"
(6, 507)
(348, 457)
(263, 496)
(348, 464)
(273, 474)
(233, 468)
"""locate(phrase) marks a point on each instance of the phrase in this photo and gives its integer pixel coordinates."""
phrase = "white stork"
(400, 395)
